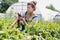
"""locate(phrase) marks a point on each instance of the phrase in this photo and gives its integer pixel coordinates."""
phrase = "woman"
(28, 16)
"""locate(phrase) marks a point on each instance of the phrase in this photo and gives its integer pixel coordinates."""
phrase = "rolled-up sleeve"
(36, 19)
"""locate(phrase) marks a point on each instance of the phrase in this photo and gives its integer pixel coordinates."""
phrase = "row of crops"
(40, 31)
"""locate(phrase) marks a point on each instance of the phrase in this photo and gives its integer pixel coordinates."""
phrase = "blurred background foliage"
(4, 4)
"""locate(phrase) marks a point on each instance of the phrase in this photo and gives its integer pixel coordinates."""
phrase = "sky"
(41, 7)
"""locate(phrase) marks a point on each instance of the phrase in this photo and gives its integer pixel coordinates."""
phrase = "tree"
(5, 5)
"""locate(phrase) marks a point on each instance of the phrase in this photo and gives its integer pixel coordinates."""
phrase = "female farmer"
(28, 16)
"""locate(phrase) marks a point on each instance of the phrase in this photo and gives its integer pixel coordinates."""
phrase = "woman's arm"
(34, 21)
(25, 23)
(12, 25)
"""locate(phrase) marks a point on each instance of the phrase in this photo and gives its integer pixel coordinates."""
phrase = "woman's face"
(29, 9)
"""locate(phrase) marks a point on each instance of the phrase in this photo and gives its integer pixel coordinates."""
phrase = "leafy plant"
(42, 30)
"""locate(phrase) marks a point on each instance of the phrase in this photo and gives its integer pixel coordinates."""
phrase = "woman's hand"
(20, 18)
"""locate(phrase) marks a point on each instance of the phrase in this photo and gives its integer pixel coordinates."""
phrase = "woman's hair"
(33, 4)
